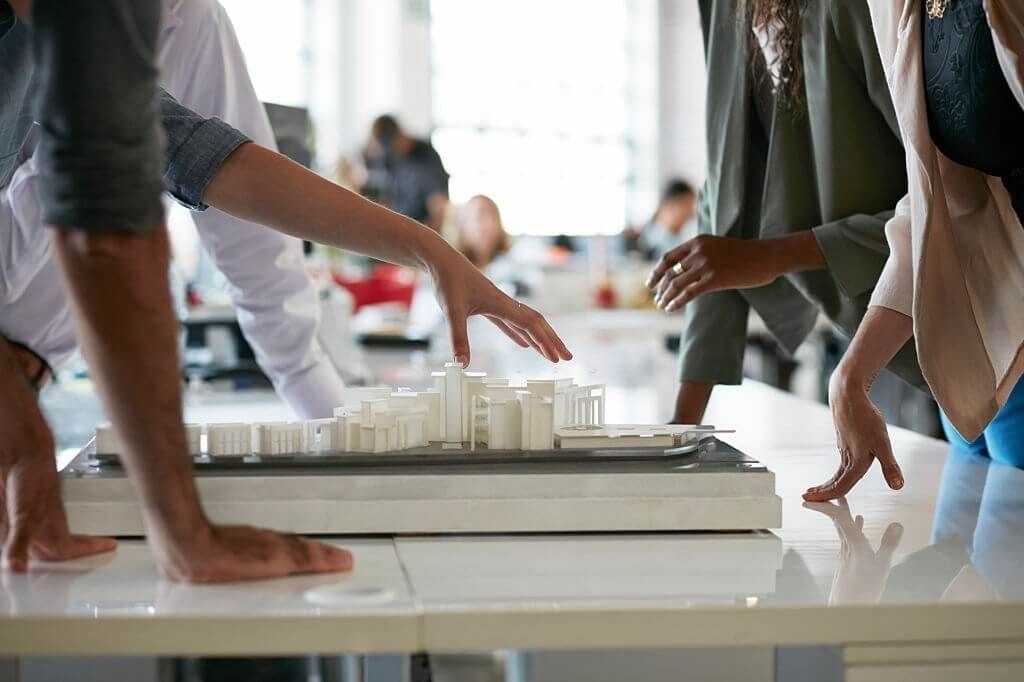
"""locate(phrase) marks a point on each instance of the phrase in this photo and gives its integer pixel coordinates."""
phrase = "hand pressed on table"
(861, 433)
(862, 438)
(218, 554)
(33, 524)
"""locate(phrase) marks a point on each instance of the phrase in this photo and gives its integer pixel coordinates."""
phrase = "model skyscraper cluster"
(462, 411)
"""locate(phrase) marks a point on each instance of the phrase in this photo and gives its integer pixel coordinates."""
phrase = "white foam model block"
(453, 409)
(107, 440)
(322, 435)
(194, 439)
(279, 438)
(617, 436)
(229, 440)
(471, 497)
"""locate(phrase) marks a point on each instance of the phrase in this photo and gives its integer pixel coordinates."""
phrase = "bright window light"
(275, 40)
(530, 103)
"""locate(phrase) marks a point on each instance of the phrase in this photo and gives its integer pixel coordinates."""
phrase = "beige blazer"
(957, 246)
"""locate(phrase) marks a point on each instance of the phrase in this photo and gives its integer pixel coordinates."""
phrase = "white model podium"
(713, 488)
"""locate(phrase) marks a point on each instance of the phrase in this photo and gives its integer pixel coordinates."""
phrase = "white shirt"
(203, 67)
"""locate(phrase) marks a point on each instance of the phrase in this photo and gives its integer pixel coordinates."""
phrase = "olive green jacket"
(836, 166)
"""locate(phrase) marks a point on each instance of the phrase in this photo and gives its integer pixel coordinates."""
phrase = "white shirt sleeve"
(34, 307)
(895, 288)
(278, 308)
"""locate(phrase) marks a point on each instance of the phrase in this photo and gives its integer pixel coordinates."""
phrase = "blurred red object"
(605, 296)
(387, 284)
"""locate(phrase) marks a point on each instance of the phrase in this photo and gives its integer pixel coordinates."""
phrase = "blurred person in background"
(673, 222)
(479, 233)
(805, 165)
(404, 173)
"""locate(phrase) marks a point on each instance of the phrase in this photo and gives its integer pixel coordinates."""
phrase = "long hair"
(782, 21)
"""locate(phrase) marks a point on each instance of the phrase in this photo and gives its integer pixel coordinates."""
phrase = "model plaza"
(462, 412)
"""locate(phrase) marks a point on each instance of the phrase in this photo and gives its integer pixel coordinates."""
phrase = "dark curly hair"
(783, 18)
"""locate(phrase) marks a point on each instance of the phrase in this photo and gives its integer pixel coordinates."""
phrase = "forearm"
(261, 186)
(881, 335)
(794, 253)
(118, 283)
(692, 402)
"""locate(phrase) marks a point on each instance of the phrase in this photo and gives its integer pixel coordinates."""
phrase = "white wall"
(682, 85)
(369, 57)
(372, 57)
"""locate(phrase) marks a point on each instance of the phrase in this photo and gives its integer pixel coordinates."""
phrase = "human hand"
(219, 554)
(463, 291)
(862, 438)
(708, 263)
(863, 572)
(33, 523)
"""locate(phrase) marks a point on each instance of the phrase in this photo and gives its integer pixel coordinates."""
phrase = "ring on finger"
(679, 268)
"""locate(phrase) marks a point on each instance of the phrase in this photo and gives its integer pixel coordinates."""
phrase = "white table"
(817, 581)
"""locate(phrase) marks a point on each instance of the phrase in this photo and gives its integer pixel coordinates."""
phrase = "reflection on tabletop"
(976, 550)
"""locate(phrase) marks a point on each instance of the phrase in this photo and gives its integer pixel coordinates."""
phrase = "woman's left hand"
(862, 438)
(707, 263)
(464, 291)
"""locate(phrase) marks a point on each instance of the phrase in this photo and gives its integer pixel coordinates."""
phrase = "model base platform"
(713, 487)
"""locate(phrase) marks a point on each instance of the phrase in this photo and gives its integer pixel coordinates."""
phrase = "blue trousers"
(1003, 439)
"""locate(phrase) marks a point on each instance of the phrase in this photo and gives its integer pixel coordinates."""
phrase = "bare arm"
(118, 283)
(33, 524)
(261, 186)
(860, 429)
(691, 402)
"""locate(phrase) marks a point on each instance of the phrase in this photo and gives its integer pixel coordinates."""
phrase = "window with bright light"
(275, 38)
(532, 107)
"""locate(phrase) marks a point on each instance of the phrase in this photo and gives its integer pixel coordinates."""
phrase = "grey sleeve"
(856, 250)
(99, 145)
(714, 338)
(196, 148)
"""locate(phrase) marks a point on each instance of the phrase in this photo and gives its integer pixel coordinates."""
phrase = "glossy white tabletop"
(938, 561)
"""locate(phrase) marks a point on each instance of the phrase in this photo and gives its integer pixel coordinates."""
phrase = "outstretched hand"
(463, 291)
(862, 438)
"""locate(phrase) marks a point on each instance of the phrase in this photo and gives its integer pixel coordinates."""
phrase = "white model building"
(228, 440)
(109, 443)
(463, 411)
(194, 439)
(279, 438)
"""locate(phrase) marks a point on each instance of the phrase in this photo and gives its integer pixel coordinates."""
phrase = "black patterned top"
(974, 118)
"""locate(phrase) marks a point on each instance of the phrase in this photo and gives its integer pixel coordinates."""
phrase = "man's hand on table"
(33, 524)
(218, 554)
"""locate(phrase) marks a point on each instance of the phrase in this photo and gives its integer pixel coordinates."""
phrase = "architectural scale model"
(462, 412)
(470, 454)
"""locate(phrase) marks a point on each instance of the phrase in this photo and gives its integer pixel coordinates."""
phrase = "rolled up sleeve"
(855, 250)
(895, 289)
(196, 148)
